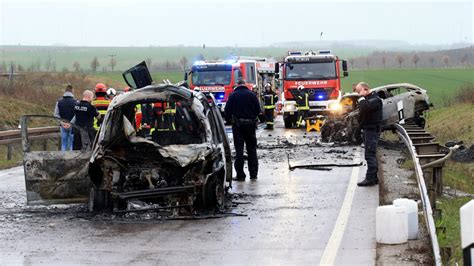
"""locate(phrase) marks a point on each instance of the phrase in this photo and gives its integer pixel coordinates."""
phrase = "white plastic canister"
(391, 224)
(412, 215)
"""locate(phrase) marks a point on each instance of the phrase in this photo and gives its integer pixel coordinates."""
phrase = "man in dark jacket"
(242, 108)
(370, 118)
(65, 109)
(84, 114)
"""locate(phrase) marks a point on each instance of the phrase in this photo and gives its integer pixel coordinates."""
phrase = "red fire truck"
(311, 74)
(219, 77)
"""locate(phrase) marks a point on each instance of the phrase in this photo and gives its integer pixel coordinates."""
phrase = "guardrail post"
(9, 152)
(45, 144)
(59, 142)
(438, 178)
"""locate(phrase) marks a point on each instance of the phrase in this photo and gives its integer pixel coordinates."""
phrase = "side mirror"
(277, 68)
(277, 76)
(185, 75)
(344, 68)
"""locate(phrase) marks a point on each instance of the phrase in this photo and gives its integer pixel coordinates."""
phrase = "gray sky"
(228, 23)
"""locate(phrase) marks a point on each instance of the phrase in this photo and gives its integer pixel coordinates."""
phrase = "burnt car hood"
(184, 155)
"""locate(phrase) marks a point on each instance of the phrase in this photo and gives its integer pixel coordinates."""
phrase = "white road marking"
(330, 252)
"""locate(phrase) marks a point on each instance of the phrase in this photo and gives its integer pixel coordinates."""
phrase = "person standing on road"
(64, 109)
(269, 99)
(370, 118)
(84, 114)
(242, 108)
(101, 103)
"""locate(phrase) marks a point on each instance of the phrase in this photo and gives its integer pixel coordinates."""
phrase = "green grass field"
(128, 56)
(442, 84)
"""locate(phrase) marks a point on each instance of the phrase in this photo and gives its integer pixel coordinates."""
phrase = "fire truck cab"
(220, 77)
(312, 75)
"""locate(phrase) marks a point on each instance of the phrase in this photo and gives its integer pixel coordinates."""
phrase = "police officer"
(242, 108)
(269, 99)
(84, 114)
(370, 118)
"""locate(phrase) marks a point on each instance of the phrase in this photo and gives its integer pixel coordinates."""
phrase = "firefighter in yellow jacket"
(101, 103)
(269, 99)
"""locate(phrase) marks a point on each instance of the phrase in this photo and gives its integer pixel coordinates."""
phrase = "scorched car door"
(138, 76)
(53, 176)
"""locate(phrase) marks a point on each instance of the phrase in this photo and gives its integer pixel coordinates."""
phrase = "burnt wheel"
(99, 199)
(214, 194)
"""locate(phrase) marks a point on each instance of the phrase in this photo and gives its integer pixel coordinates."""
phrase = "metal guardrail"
(428, 161)
(10, 137)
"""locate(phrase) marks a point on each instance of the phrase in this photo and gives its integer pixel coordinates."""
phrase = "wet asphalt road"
(289, 217)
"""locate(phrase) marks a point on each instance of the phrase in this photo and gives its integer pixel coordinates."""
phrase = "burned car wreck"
(188, 166)
(184, 168)
(402, 102)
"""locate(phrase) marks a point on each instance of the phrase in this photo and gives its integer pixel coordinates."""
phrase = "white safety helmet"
(111, 91)
(268, 85)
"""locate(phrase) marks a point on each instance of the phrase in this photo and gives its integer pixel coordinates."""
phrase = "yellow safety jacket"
(101, 104)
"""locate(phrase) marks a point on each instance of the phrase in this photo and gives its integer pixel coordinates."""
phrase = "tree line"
(95, 65)
(450, 58)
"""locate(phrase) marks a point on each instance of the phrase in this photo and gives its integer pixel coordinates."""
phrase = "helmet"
(267, 85)
(111, 91)
(100, 87)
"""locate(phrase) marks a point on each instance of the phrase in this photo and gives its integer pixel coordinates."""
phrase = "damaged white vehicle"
(134, 168)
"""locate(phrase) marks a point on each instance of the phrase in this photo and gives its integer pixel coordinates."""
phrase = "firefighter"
(101, 103)
(111, 93)
(370, 118)
(163, 121)
(242, 109)
(302, 99)
(269, 99)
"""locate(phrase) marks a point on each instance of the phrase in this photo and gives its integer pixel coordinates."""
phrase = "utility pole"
(112, 61)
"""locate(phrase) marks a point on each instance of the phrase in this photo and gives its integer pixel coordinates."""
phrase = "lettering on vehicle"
(211, 89)
(311, 82)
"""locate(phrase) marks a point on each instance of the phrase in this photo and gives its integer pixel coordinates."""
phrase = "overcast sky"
(229, 23)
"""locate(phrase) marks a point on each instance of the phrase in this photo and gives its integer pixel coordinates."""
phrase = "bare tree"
(432, 59)
(148, 62)
(183, 62)
(95, 64)
(76, 66)
(445, 60)
(351, 61)
(463, 59)
(53, 66)
(3, 67)
(112, 62)
(415, 59)
(20, 68)
(400, 59)
(367, 62)
(48, 64)
(384, 61)
(167, 65)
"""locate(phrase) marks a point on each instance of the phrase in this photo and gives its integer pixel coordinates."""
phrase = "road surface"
(285, 217)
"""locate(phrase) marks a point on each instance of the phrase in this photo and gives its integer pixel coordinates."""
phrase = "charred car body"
(185, 168)
(401, 102)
